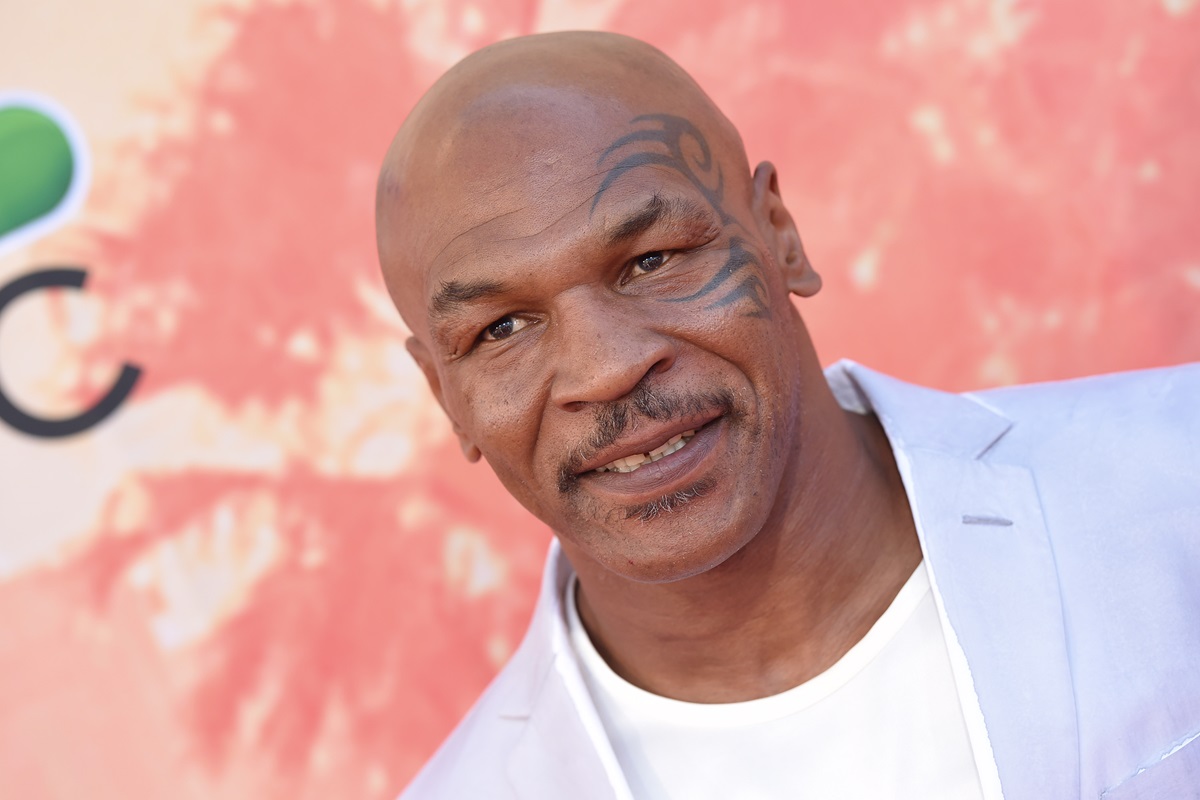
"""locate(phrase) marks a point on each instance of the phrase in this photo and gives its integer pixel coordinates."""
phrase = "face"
(605, 319)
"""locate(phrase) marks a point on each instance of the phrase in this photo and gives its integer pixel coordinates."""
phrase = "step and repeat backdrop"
(240, 555)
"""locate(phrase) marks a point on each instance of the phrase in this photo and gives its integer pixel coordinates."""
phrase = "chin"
(672, 538)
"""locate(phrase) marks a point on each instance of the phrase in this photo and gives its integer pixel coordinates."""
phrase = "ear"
(779, 229)
(420, 353)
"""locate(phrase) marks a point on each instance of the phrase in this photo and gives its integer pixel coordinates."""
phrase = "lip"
(647, 440)
(669, 473)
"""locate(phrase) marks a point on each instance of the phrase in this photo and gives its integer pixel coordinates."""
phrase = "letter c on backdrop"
(73, 278)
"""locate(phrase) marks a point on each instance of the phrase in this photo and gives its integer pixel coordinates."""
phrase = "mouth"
(651, 445)
(634, 462)
(661, 463)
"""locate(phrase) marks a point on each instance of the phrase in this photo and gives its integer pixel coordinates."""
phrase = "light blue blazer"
(1061, 527)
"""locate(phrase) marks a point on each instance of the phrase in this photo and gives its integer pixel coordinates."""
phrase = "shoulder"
(1163, 394)
(1121, 422)
(1112, 456)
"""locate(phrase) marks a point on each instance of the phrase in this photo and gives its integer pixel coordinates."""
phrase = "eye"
(502, 328)
(647, 262)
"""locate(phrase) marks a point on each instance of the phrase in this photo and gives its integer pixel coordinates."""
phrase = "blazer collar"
(916, 416)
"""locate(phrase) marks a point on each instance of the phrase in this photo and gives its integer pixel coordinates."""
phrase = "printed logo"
(44, 168)
(44, 175)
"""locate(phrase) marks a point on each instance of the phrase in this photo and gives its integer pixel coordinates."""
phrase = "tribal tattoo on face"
(733, 283)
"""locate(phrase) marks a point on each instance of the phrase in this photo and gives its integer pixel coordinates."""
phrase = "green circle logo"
(43, 168)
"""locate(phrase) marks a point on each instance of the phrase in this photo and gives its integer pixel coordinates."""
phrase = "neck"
(835, 551)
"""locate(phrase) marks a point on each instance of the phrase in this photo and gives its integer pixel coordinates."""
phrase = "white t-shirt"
(883, 722)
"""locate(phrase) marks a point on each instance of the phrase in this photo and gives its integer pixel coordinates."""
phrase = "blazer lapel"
(994, 578)
(562, 750)
(556, 756)
(993, 572)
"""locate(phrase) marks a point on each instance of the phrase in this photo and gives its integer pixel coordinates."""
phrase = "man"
(767, 584)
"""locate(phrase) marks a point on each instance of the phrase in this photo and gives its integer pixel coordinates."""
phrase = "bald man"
(767, 581)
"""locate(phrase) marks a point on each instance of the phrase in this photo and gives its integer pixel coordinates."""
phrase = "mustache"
(641, 404)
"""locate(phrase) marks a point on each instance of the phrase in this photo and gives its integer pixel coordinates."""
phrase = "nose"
(604, 346)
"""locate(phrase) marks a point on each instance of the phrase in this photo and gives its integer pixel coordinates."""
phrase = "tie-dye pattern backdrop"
(270, 574)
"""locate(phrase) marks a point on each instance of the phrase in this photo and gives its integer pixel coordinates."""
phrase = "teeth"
(630, 463)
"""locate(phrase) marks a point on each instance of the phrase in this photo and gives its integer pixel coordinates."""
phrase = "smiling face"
(595, 287)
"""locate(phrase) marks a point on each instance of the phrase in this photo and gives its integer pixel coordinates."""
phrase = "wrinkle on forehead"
(538, 226)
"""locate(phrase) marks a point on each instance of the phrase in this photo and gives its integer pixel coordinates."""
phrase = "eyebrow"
(656, 209)
(452, 295)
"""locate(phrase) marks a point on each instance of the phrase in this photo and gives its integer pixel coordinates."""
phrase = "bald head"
(511, 123)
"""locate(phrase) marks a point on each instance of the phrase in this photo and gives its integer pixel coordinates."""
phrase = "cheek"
(502, 415)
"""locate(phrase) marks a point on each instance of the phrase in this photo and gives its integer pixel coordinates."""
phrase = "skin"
(571, 230)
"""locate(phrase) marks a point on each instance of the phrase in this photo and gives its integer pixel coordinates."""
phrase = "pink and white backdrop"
(269, 574)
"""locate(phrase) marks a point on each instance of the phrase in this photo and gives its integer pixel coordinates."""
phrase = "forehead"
(535, 168)
(516, 158)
